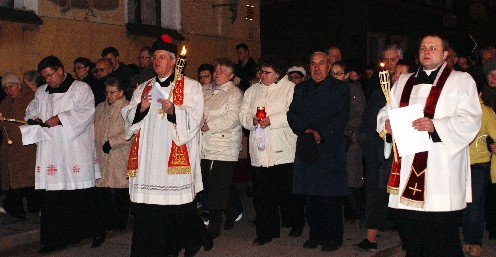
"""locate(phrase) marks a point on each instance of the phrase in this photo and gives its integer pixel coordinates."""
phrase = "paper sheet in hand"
(32, 134)
(408, 140)
(157, 92)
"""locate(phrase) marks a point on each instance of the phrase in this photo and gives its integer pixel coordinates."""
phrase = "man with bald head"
(318, 115)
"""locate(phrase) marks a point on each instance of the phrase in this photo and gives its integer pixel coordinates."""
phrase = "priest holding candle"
(164, 161)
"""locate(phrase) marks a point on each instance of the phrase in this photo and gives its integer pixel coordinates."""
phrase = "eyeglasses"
(139, 58)
(111, 92)
(101, 69)
(79, 67)
(160, 57)
(339, 73)
(205, 76)
(264, 72)
(49, 75)
(428, 48)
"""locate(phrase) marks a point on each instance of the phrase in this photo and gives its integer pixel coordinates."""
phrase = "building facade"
(33, 29)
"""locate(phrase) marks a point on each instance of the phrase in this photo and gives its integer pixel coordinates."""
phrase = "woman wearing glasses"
(112, 151)
(273, 164)
(205, 72)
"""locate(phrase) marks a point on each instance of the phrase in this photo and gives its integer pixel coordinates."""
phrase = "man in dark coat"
(321, 107)
(246, 69)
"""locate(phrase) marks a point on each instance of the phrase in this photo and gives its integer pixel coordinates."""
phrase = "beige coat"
(109, 125)
(17, 161)
(222, 142)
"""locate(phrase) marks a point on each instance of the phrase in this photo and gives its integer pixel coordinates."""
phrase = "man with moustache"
(318, 115)
(164, 162)
(430, 190)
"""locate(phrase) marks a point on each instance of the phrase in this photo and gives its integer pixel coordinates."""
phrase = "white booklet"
(408, 140)
(32, 134)
(157, 92)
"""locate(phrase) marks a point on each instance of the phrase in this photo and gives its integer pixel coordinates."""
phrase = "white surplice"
(153, 184)
(67, 161)
(457, 120)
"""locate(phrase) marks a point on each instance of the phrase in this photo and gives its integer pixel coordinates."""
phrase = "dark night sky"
(292, 30)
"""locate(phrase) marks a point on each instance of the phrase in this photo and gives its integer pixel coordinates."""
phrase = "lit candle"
(183, 52)
(382, 65)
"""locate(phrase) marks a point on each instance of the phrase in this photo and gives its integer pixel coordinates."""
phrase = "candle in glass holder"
(261, 114)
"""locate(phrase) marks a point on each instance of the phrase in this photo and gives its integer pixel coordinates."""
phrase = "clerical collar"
(166, 82)
(63, 87)
(426, 76)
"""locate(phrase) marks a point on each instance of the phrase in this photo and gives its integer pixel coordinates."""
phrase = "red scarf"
(413, 193)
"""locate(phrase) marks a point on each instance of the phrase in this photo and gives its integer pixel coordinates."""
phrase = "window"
(161, 13)
(23, 11)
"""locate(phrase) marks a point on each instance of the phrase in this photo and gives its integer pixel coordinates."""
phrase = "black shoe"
(331, 246)
(260, 241)
(312, 243)
(98, 240)
(190, 252)
(208, 241)
(366, 245)
(295, 232)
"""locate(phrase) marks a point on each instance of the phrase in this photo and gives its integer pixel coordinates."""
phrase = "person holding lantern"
(272, 150)
(165, 116)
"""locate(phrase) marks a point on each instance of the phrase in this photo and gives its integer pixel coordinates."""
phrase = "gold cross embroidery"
(415, 189)
(161, 111)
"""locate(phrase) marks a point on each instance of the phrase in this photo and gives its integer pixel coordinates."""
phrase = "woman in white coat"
(274, 164)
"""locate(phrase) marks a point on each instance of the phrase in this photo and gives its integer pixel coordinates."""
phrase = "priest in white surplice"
(429, 190)
(164, 162)
(65, 164)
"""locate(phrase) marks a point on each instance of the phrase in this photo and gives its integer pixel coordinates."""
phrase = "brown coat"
(17, 162)
(109, 125)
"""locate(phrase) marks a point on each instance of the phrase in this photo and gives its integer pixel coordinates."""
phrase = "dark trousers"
(66, 217)
(426, 234)
(325, 217)
(273, 200)
(217, 178)
(376, 210)
(473, 216)
(490, 210)
(14, 201)
(354, 204)
(112, 206)
(163, 230)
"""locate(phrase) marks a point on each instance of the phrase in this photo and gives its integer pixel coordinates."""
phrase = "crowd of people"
(116, 139)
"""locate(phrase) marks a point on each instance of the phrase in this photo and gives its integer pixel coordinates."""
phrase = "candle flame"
(183, 51)
(382, 65)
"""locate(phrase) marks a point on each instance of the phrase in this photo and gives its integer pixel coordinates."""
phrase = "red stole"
(179, 157)
(413, 193)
